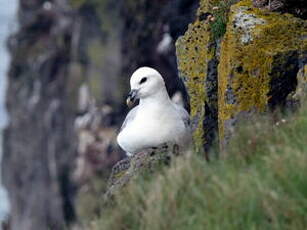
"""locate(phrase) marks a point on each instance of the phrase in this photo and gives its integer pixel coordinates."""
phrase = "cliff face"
(255, 66)
(39, 142)
(261, 55)
(197, 57)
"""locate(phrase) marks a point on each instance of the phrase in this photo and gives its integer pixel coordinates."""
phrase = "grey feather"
(184, 115)
(130, 116)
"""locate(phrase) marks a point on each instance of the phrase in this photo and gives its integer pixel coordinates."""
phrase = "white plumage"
(156, 120)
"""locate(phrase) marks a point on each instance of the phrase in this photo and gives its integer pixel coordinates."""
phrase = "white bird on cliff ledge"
(156, 120)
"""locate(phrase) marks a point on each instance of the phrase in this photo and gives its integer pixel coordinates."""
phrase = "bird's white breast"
(151, 127)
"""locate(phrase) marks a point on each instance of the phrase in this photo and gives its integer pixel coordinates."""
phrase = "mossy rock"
(141, 164)
(197, 65)
(261, 55)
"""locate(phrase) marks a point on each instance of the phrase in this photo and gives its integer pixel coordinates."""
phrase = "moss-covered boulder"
(261, 55)
(243, 60)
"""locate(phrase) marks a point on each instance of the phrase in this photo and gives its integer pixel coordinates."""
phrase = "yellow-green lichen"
(197, 55)
(245, 69)
(193, 54)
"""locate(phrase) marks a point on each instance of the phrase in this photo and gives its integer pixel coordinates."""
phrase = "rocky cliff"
(237, 59)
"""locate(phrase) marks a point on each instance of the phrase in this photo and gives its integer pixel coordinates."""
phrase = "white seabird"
(156, 120)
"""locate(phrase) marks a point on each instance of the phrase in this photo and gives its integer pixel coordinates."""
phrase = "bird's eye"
(143, 80)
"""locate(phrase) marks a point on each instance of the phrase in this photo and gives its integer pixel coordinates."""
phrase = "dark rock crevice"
(210, 122)
(283, 78)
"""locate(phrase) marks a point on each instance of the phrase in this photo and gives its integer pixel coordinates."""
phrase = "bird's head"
(144, 82)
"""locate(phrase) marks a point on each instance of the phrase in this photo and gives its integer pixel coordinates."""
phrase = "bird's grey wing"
(130, 116)
(184, 115)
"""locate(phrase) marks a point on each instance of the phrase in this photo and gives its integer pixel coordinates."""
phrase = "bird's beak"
(131, 99)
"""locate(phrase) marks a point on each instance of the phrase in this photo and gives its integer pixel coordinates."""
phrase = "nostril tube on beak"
(131, 99)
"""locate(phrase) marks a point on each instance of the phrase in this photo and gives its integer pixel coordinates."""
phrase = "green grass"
(218, 27)
(261, 183)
